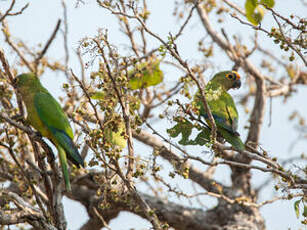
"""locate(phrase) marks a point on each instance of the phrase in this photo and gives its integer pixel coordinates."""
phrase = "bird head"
(26, 80)
(228, 79)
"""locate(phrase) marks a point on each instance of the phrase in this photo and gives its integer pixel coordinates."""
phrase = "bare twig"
(15, 48)
(125, 108)
(234, 6)
(8, 12)
(52, 37)
(27, 214)
(174, 52)
(38, 199)
(194, 174)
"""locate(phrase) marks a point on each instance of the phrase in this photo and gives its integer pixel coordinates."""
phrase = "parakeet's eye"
(231, 76)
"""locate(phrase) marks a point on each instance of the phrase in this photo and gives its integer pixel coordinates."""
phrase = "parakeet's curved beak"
(236, 84)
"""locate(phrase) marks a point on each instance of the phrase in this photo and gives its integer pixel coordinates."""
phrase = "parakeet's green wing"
(224, 112)
(52, 115)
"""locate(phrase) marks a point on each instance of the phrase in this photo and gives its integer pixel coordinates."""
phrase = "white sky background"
(37, 23)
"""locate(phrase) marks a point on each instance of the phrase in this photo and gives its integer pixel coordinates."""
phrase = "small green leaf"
(183, 127)
(254, 13)
(297, 208)
(145, 75)
(97, 96)
(268, 3)
(250, 6)
(116, 138)
(203, 137)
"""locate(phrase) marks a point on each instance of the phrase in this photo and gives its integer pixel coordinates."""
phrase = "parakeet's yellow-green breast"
(46, 115)
(222, 106)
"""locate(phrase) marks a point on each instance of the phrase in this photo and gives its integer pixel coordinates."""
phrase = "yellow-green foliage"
(145, 74)
(254, 11)
(115, 132)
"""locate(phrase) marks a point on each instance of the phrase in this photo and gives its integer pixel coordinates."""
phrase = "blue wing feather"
(221, 122)
(68, 145)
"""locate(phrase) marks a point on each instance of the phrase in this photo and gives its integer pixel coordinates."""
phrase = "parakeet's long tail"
(68, 145)
(234, 140)
(63, 161)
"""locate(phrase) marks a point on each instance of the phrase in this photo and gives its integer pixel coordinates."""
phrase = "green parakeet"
(222, 106)
(46, 115)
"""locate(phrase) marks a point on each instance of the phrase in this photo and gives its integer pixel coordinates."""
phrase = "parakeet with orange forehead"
(222, 106)
(46, 115)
